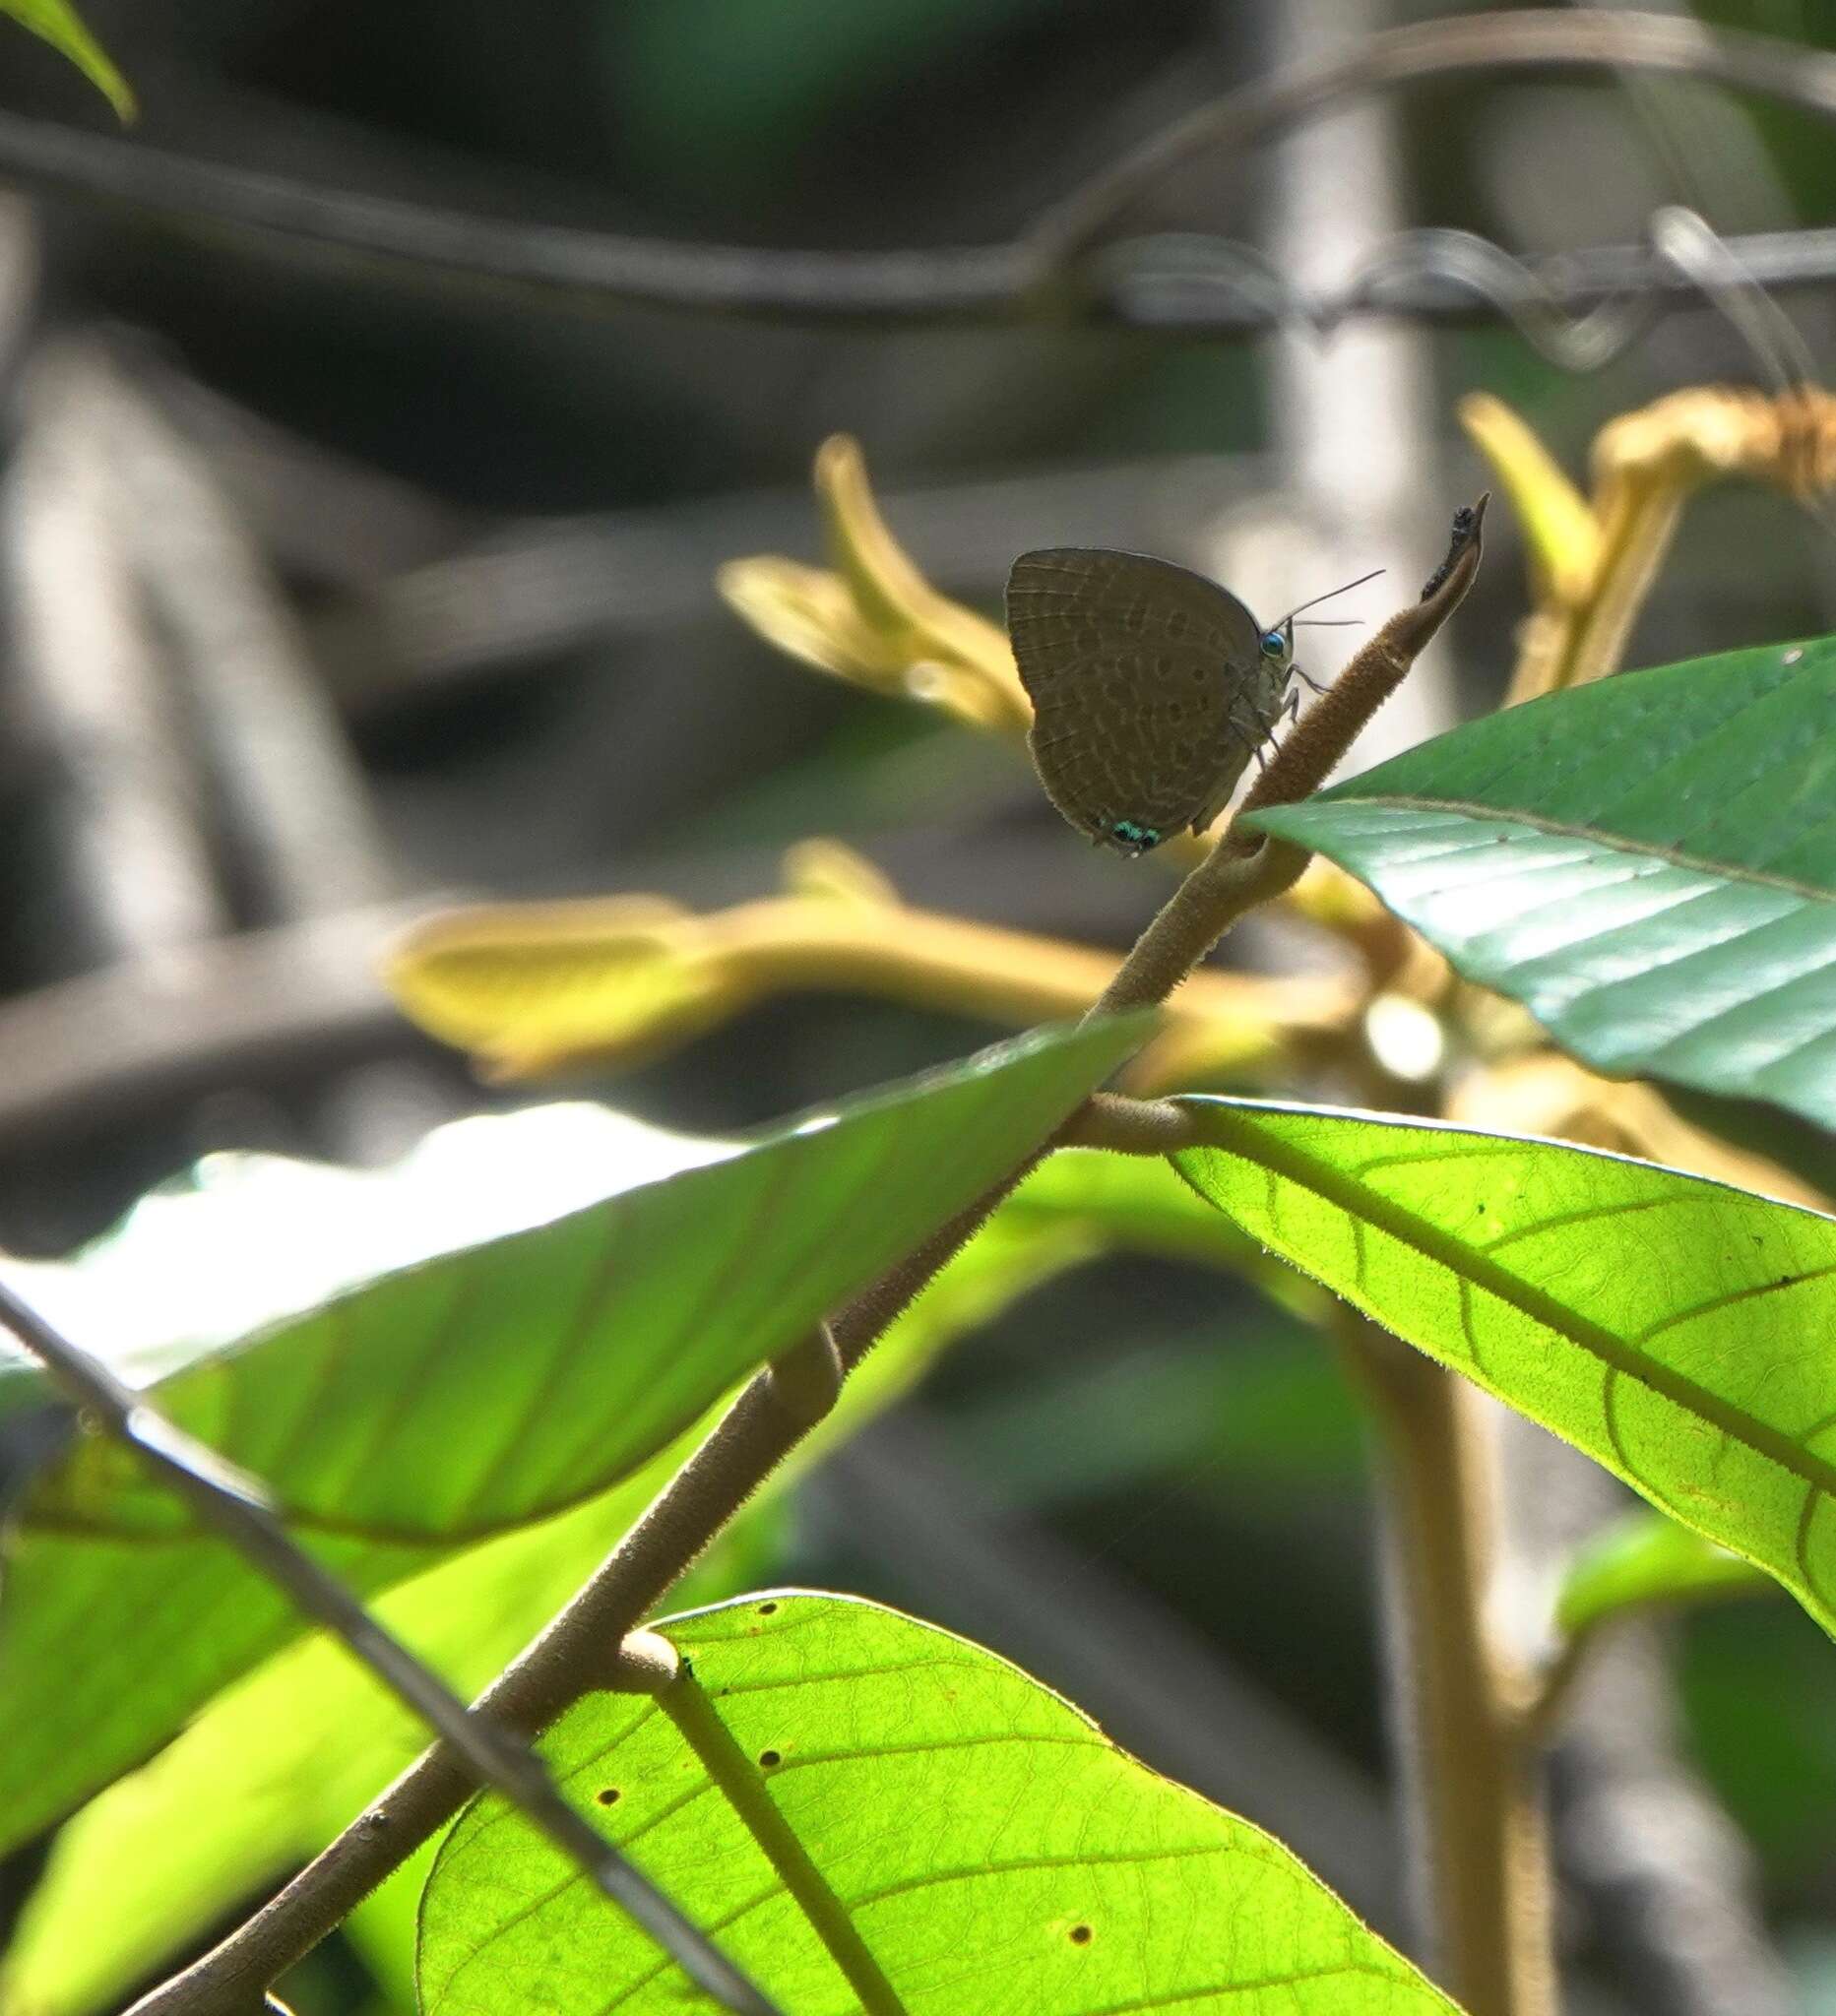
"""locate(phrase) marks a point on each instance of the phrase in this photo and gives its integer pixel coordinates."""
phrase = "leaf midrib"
(1326, 1181)
(1611, 843)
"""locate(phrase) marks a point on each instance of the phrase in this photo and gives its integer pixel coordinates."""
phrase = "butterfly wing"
(1147, 687)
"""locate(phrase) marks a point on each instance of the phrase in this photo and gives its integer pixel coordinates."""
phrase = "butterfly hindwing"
(1149, 688)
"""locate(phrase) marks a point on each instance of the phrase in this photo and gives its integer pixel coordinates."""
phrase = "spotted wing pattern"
(1150, 690)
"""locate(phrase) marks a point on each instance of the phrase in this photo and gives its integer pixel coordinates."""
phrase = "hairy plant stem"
(580, 1650)
(1474, 1765)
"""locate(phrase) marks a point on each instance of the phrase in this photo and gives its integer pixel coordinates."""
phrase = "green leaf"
(481, 1391)
(1644, 1560)
(985, 1844)
(279, 1763)
(1680, 1331)
(1647, 863)
(57, 23)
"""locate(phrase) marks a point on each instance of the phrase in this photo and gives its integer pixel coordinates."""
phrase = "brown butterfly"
(1151, 688)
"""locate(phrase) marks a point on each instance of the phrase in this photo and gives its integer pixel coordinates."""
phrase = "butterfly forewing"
(1150, 691)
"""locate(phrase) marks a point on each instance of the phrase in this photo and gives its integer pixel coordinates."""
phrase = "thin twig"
(1133, 1126)
(1041, 273)
(771, 1416)
(235, 1506)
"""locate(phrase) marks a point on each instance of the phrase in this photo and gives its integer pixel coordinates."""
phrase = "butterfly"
(1151, 686)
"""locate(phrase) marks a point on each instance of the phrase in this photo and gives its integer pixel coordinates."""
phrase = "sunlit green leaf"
(1681, 1332)
(1648, 863)
(270, 1770)
(274, 1767)
(481, 1391)
(987, 1844)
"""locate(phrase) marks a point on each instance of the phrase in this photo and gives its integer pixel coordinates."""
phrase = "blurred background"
(335, 587)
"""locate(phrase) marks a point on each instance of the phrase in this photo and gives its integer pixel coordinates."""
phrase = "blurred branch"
(323, 515)
(86, 1053)
(128, 795)
(291, 786)
(1457, 45)
(541, 587)
(1668, 1879)
(1665, 1873)
(1045, 273)
(234, 1505)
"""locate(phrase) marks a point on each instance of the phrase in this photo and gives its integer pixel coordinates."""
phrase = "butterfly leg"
(1308, 679)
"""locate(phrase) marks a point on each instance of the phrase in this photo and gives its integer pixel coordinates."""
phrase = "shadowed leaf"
(481, 1391)
(1648, 863)
(277, 1764)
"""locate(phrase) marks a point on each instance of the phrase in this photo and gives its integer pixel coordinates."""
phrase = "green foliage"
(729, 90)
(278, 1763)
(486, 1389)
(1648, 863)
(987, 1845)
(1754, 1681)
(1674, 1329)
(58, 22)
(1645, 1560)
(867, 1812)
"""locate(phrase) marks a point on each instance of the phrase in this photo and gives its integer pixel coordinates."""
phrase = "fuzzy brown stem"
(1473, 1773)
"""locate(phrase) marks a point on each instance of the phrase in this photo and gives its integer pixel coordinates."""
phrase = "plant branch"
(1479, 1819)
(1132, 1126)
(1039, 273)
(580, 1649)
(236, 1507)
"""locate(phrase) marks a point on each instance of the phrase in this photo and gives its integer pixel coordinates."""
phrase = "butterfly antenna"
(1344, 588)
(1328, 622)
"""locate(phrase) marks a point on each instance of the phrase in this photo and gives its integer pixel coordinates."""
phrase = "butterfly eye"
(1274, 644)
